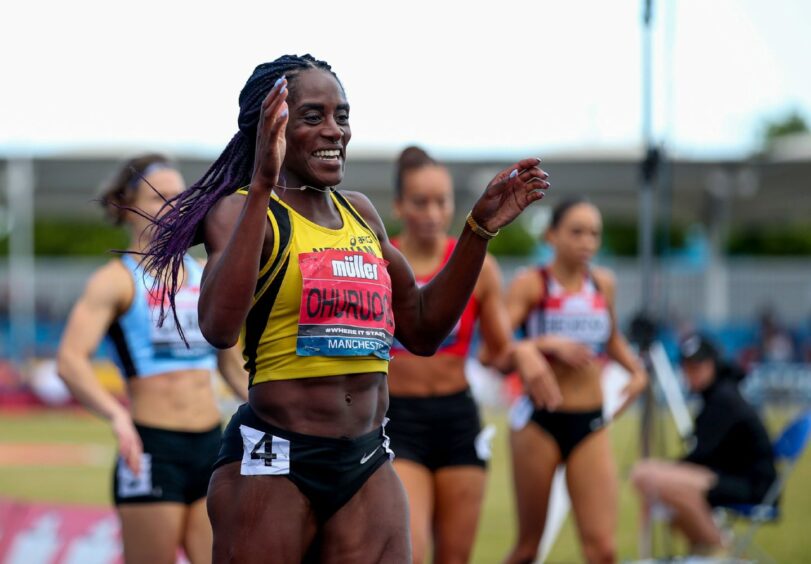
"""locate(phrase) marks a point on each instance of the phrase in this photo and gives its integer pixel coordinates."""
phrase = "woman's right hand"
(539, 380)
(270, 137)
(130, 446)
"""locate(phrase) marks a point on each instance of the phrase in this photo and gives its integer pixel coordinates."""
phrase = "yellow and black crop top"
(322, 304)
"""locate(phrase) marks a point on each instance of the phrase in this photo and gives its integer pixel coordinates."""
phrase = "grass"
(786, 541)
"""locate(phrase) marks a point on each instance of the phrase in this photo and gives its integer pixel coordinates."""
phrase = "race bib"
(166, 340)
(345, 305)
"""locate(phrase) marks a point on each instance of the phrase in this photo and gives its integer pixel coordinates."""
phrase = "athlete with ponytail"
(169, 437)
(441, 448)
(307, 275)
(567, 310)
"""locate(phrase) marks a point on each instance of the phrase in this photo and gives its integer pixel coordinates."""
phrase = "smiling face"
(577, 237)
(426, 202)
(317, 131)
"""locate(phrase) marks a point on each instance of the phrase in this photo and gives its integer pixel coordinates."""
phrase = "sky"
(460, 78)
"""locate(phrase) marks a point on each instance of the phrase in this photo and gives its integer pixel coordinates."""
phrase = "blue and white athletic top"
(142, 348)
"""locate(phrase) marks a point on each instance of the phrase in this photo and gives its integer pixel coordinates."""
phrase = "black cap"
(697, 347)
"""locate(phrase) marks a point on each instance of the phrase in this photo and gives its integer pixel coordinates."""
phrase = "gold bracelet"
(479, 230)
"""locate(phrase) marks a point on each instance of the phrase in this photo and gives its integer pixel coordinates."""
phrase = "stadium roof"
(758, 191)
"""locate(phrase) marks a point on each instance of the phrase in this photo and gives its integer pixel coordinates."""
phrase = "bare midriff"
(418, 376)
(345, 406)
(581, 388)
(178, 401)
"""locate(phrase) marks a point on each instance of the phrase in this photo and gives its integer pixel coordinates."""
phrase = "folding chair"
(788, 448)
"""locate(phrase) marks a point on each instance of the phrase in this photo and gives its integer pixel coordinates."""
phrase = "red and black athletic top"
(582, 315)
(458, 342)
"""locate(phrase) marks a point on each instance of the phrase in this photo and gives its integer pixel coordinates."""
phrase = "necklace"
(305, 186)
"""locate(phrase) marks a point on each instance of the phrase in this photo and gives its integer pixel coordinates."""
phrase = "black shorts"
(567, 428)
(734, 490)
(176, 466)
(438, 431)
(328, 471)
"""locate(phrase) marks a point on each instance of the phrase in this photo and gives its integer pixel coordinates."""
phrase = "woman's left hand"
(509, 193)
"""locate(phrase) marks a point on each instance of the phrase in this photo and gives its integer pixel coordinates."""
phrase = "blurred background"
(688, 128)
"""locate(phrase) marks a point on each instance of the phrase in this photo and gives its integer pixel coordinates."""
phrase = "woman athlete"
(567, 311)
(168, 439)
(434, 422)
(308, 275)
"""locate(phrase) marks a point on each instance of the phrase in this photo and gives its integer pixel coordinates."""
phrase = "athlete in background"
(169, 436)
(436, 434)
(567, 310)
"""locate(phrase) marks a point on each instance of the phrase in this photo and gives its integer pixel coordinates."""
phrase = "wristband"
(479, 230)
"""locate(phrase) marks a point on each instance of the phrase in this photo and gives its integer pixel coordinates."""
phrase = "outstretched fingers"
(274, 107)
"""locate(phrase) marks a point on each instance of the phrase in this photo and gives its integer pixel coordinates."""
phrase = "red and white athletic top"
(582, 315)
(458, 342)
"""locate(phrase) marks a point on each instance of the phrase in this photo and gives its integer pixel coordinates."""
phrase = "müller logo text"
(353, 266)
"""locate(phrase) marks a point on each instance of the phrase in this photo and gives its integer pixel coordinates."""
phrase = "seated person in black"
(730, 460)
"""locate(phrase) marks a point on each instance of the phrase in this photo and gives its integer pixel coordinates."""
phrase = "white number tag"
(131, 484)
(263, 454)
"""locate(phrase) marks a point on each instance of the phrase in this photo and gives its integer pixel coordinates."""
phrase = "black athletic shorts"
(328, 471)
(438, 431)
(567, 428)
(176, 467)
(733, 490)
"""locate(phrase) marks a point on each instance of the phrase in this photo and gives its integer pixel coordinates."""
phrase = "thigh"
(258, 519)
(151, 532)
(459, 492)
(591, 477)
(658, 477)
(418, 482)
(197, 538)
(535, 456)
(372, 527)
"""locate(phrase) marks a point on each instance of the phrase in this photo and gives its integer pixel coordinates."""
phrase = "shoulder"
(366, 209)
(605, 278)
(527, 280)
(112, 284)
(227, 207)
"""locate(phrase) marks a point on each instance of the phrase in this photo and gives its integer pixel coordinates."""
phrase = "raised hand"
(509, 193)
(270, 136)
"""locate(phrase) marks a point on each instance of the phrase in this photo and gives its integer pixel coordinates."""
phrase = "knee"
(602, 550)
(643, 477)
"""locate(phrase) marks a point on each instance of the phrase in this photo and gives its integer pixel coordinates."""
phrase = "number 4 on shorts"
(268, 456)
(263, 454)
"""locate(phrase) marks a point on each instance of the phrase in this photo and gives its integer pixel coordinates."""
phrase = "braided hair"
(180, 227)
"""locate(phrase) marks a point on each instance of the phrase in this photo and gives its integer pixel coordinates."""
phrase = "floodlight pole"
(644, 326)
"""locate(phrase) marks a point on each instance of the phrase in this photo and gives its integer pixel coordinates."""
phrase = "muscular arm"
(88, 322)
(235, 232)
(235, 235)
(425, 316)
(502, 352)
(494, 321)
(107, 293)
(229, 363)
